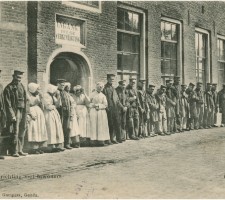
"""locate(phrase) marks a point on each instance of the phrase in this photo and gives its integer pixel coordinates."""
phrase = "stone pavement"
(183, 165)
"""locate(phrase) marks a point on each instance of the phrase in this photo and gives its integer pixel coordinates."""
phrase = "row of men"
(109, 116)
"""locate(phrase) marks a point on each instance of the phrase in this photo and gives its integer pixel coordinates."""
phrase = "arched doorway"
(72, 67)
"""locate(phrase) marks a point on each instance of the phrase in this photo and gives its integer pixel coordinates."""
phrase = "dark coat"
(153, 106)
(2, 110)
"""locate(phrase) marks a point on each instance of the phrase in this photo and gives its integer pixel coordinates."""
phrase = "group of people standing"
(65, 118)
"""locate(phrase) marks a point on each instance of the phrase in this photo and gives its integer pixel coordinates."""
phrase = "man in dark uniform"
(221, 98)
(177, 90)
(2, 110)
(153, 111)
(209, 106)
(113, 110)
(143, 109)
(15, 98)
(170, 106)
(216, 103)
(65, 111)
(199, 105)
(121, 92)
(132, 113)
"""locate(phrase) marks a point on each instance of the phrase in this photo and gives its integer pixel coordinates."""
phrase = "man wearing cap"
(65, 111)
(191, 99)
(143, 109)
(132, 113)
(2, 110)
(170, 106)
(113, 110)
(162, 120)
(209, 106)
(15, 98)
(184, 107)
(153, 111)
(216, 103)
(221, 97)
(199, 106)
(177, 91)
(121, 92)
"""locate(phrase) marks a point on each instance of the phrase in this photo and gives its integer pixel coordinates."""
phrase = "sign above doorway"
(69, 31)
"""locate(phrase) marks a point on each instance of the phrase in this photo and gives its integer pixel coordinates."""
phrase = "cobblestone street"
(183, 165)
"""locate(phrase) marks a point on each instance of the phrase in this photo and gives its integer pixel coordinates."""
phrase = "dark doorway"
(71, 67)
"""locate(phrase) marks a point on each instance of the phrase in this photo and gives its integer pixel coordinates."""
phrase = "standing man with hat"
(184, 108)
(209, 106)
(221, 97)
(132, 113)
(143, 109)
(2, 110)
(216, 103)
(113, 110)
(65, 111)
(177, 90)
(121, 92)
(192, 100)
(170, 106)
(199, 106)
(162, 120)
(16, 112)
(153, 111)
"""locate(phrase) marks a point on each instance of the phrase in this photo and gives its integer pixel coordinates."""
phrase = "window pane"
(120, 19)
(119, 41)
(167, 50)
(162, 50)
(136, 23)
(218, 48)
(173, 66)
(165, 67)
(162, 30)
(119, 61)
(200, 44)
(196, 44)
(128, 62)
(167, 31)
(174, 32)
(128, 21)
(173, 51)
(135, 44)
(200, 64)
(127, 43)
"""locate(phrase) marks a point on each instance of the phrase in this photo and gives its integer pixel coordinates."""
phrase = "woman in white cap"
(37, 133)
(98, 116)
(74, 128)
(82, 101)
(53, 122)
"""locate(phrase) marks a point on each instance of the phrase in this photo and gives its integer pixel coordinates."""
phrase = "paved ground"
(184, 165)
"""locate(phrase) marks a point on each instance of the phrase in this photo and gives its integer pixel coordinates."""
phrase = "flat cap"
(214, 83)
(208, 83)
(142, 80)
(132, 78)
(192, 84)
(122, 82)
(176, 77)
(110, 75)
(150, 85)
(199, 83)
(183, 85)
(169, 80)
(17, 72)
(163, 87)
(61, 81)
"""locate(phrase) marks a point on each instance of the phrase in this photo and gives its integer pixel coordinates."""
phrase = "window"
(128, 43)
(170, 49)
(201, 57)
(93, 6)
(221, 60)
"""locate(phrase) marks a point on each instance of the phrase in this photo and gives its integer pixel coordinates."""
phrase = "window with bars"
(169, 49)
(201, 57)
(221, 60)
(128, 42)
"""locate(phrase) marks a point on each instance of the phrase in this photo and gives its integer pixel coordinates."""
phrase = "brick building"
(83, 41)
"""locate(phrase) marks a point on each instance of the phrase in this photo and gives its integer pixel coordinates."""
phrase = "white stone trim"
(83, 7)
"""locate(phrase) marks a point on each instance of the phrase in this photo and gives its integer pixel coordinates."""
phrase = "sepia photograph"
(112, 99)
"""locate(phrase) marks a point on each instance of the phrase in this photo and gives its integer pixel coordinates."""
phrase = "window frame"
(208, 73)
(142, 54)
(219, 62)
(179, 43)
(83, 6)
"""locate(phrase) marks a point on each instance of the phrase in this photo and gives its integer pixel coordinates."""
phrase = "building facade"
(84, 41)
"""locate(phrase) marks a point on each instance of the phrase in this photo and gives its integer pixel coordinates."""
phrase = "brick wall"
(101, 34)
(13, 42)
